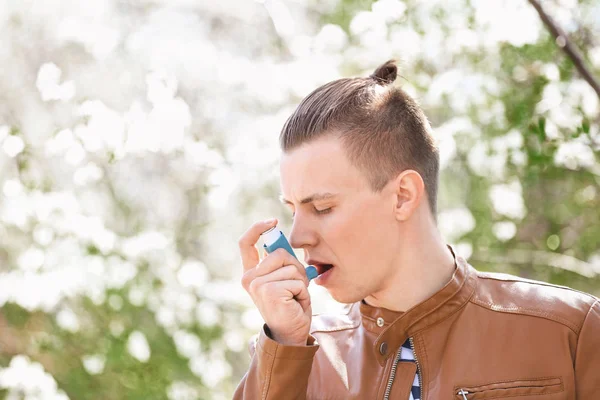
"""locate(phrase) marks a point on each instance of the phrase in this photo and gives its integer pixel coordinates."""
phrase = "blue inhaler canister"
(275, 239)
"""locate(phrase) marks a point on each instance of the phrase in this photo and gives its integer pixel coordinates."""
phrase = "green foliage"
(555, 240)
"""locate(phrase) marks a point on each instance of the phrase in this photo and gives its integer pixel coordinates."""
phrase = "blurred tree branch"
(539, 257)
(563, 42)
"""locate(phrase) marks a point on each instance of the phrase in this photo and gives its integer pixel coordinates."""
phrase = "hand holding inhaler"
(278, 284)
(275, 239)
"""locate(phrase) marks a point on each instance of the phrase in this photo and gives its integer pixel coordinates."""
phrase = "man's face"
(346, 224)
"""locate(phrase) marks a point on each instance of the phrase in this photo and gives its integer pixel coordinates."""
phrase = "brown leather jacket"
(494, 336)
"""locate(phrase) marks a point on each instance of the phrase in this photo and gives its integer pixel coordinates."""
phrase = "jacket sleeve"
(276, 371)
(587, 358)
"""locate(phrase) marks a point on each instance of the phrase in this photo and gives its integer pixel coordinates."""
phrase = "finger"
(277, 259)
(299, 292)
(288, 272)
(287, 290)
(248, 240)
(261, 275)
(304, 298)
(260, 283)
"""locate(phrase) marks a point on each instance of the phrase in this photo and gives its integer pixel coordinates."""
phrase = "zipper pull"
(464, 393)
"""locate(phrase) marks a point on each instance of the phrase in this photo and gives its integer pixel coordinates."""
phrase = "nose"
(302, 234)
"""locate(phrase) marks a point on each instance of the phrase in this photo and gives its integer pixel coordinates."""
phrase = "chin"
(344, 297)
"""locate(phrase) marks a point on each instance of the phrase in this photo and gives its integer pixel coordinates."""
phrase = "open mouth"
(322, 268)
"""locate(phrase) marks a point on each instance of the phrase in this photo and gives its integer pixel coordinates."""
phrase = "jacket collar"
(448, 300)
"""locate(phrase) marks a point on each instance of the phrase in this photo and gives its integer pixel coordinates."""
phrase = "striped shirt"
(407, 354)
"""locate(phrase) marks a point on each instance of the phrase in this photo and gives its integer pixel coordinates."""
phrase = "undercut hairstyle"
(383, 130)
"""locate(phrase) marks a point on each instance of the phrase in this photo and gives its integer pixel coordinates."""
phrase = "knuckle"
(246, 280)
(253, 287)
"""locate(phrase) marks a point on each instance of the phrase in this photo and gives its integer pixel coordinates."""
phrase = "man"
(359, 171)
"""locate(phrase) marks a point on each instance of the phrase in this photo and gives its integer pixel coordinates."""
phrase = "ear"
(410, 192)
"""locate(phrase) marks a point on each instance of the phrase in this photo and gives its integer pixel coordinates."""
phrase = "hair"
(383, 130)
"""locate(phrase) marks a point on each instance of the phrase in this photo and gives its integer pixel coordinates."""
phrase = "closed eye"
(320, 212)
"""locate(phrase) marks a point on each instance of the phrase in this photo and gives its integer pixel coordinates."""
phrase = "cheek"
(354, 234)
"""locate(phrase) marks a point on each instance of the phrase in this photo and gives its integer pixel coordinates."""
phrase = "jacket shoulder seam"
(484, 275)
(586, 317)
(527, 311)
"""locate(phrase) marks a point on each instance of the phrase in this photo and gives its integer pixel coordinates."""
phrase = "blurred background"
(139, 139)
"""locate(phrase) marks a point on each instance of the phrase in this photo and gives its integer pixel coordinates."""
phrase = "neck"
(424, 265)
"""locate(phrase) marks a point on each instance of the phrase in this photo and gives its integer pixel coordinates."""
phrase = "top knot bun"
(385, 74)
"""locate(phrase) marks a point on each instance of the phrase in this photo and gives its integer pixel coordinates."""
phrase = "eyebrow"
(309, 199)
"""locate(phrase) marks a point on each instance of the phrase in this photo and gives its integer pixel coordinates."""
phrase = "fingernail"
(269, 221)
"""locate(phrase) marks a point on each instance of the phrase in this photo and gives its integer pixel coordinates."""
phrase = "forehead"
(318, 166)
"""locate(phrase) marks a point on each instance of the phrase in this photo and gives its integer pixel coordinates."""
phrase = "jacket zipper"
(392, 375)
(395, 366)
(412, 344)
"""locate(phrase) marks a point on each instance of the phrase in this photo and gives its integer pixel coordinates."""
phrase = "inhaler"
(275, 239)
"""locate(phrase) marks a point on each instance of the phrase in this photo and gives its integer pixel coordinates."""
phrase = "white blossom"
(138, 347)
(507, 199)
(94, 364)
